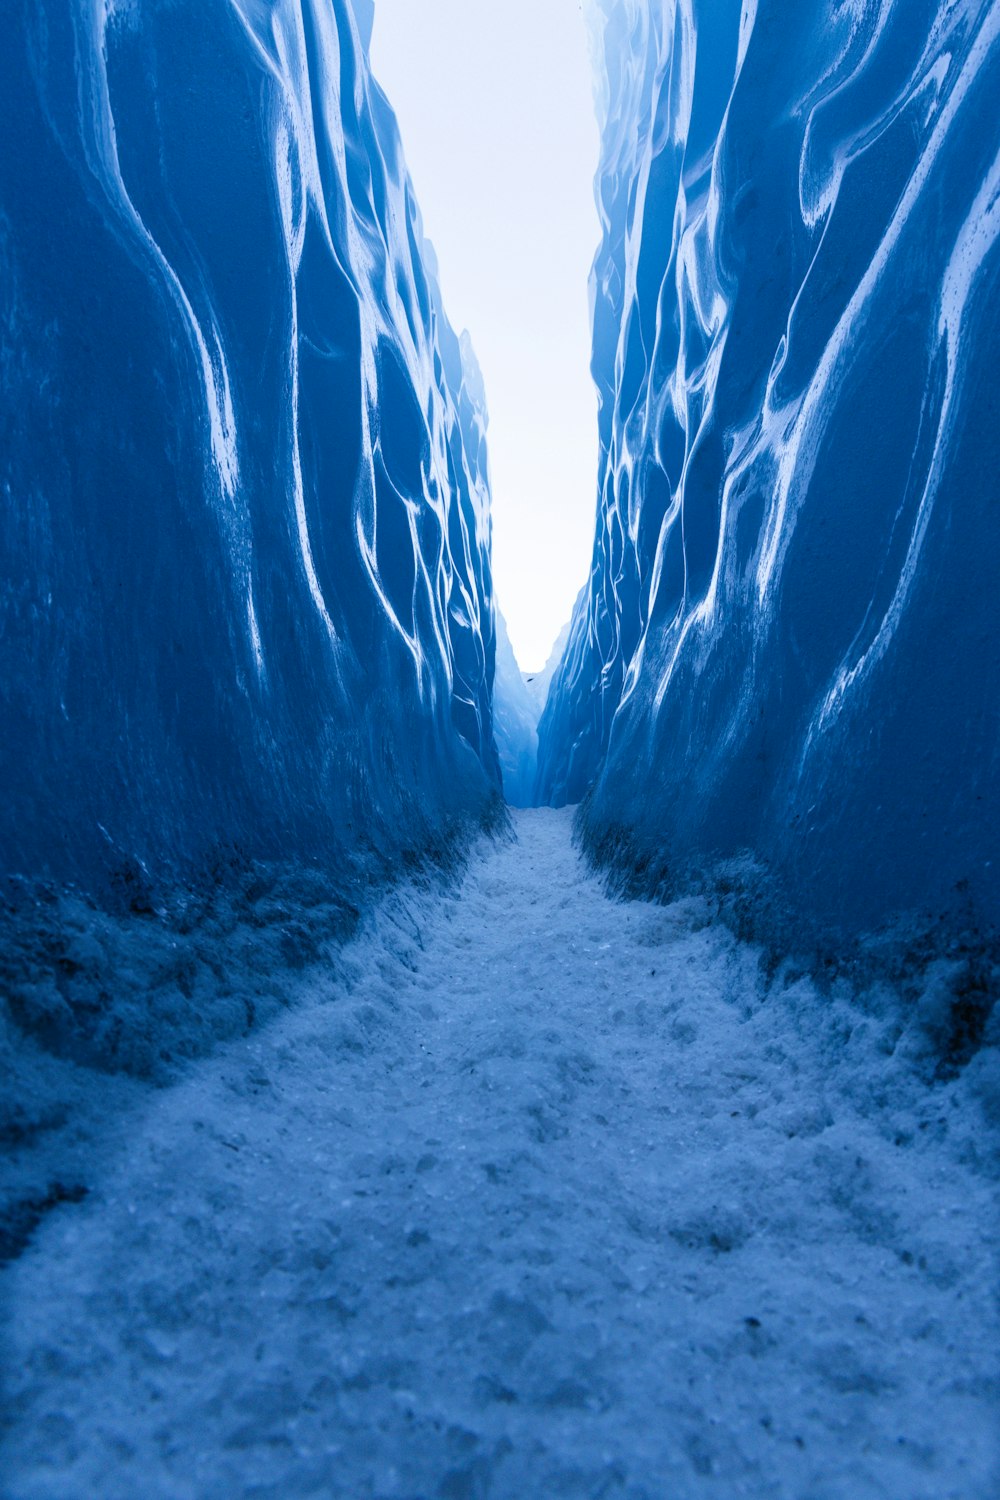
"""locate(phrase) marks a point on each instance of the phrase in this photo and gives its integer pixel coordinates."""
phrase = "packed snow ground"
(535, 1195)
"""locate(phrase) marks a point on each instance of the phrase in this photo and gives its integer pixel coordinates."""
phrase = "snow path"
(539, 1195)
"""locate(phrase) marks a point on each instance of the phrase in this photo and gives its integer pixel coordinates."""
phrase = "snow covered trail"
(539, 1195)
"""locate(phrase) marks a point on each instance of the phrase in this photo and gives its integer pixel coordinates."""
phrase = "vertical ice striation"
(791, 641)
(515, 720)
(246, 596)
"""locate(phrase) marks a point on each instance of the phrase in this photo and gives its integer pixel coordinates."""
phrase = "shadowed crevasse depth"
(790, 646)
(247, 602)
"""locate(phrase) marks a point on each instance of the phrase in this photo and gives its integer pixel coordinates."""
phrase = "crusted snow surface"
(539, 1195)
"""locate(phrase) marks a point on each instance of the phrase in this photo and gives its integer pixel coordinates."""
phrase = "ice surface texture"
(515, 723)
(246, 593)
(790, 643)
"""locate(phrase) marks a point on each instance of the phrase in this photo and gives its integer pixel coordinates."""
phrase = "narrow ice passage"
(538, 1195)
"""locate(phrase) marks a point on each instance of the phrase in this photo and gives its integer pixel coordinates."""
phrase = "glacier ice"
(538, 683)
(529, 1191)
(515, 722)
(246, 600)
(519, 700)
(790, 645)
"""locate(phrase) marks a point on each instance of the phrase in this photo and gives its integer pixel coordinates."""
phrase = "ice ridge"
(247, 602)
(515, 722)
(790, 645)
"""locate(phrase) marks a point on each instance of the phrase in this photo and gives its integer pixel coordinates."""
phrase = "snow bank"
(534, 1194)
(101, 1004)
(791, 641)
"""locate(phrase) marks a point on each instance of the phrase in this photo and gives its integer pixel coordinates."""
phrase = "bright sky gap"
(501, 141)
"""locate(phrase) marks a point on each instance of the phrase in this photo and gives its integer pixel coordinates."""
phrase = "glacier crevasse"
(246, 604)
(790, 646)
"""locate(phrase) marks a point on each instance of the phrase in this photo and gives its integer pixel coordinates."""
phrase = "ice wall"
(791, 642)
(246, 604)
(515, 723)
(538, 683)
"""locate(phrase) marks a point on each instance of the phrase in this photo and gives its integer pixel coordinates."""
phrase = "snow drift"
(791, 641)
(246, 600)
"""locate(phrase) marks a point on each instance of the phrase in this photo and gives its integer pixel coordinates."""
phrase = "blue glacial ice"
(246, 601)
(529, 1191)
(790, 645)
(519, 700)
(515, 723)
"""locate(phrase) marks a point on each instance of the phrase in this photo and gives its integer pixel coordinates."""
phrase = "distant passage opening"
(497, 118)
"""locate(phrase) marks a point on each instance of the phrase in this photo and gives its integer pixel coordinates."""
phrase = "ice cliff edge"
(791, 642)
(246, 598)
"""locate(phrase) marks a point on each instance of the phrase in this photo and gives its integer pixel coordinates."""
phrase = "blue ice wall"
(245, 598)
(515, 723)
(791, 642)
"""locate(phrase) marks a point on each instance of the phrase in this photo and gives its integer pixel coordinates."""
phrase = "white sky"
(496, 113)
